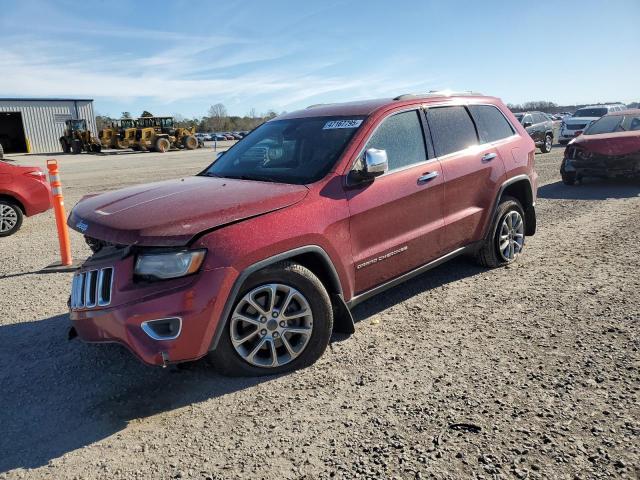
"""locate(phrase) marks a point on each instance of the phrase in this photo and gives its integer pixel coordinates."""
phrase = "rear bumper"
(39, 200)
(198, 304)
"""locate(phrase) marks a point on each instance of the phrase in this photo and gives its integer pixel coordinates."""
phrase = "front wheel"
(569, 178)
(548, 143)
(10, 218)
(506, 242)
(281, 321)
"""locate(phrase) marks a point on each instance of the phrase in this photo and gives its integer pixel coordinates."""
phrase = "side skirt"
(409, 275)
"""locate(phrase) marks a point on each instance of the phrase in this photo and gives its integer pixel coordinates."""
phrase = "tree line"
(217, 120)
(550, 107)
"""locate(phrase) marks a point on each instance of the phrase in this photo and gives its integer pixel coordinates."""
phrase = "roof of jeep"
(367, 107)
(630, 111)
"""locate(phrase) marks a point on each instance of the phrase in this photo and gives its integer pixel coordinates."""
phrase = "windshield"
(298, 151)
(591, 112)
(614, 123)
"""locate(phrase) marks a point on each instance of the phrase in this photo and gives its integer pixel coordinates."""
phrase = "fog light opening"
(163, 328)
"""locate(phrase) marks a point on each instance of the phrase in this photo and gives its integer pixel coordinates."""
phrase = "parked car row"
(576, 124)
(210, 137)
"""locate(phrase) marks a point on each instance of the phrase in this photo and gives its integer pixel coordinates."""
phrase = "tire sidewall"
(19, 218)
(508, 205)
(229, 362)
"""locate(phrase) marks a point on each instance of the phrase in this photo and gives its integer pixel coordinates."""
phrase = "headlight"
(169, 264)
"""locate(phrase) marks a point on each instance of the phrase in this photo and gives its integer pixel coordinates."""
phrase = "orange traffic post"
(61, 216)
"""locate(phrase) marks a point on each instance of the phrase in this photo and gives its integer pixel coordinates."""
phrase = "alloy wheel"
(271, 325)
(8, 218)
(511, 237)
(548, 143)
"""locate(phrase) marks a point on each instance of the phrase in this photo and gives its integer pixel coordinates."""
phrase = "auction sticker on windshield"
(342, 124)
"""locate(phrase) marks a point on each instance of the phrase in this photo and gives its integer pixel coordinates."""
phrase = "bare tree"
(126, 114)
(218, 116)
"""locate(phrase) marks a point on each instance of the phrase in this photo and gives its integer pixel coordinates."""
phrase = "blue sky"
(183, 56)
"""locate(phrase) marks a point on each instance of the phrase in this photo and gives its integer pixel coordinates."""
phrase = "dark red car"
(257, 259)
(23, 191)
(609, 147)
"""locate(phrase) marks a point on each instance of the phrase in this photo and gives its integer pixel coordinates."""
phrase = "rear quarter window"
(452, 129)
(491, 123)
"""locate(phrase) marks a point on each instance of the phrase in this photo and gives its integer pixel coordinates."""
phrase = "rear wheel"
(281, 321)
(162, 145)
(10, 218)
(548, 143)
(506, 242)
(1, 152)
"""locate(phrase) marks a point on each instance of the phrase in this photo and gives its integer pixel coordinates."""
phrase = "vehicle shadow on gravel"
(454, 270)
(57, 396)
(591, 189)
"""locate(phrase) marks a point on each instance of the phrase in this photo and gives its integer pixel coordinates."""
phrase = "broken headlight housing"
(171, 264)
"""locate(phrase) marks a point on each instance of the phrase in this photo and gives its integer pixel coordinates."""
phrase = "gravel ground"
(530, 371)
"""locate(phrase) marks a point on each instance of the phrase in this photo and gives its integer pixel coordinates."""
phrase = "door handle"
(488, 157)
(427, 176)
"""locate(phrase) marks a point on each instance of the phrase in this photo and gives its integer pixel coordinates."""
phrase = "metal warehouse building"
(35, 125)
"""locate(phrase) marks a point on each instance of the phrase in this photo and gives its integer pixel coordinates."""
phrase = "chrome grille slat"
(92, 288)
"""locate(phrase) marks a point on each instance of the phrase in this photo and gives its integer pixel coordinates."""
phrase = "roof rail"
(315, 105)
(436, 93)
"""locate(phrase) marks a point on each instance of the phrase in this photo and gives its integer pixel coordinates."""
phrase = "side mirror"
(374, 164)
(527, 124)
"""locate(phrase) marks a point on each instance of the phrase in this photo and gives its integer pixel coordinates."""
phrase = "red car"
(23, 191)
(609, 147)
(257, 259)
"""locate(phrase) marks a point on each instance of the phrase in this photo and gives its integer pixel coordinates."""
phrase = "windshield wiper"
(254, 178)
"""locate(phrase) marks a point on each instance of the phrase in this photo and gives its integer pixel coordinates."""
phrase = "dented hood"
(610, 144)
(171, 213)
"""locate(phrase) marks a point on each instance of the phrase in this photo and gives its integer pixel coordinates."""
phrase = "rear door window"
(490, 122)
(452, 129)
(401, 136)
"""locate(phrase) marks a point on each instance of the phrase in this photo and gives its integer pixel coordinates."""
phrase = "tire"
(76, 146)
(490, 253)
(162, 145)
(563, 142)
(1, 152)
(11, 217)
(190, 142)
(96, 147)
(569, 178)
(548, 144)
(66, 148)
(263, 333)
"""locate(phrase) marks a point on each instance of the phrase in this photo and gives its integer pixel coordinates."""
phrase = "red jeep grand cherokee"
(256, 259)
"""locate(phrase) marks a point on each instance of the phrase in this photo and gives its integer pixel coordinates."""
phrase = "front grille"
(575, 126)
(92, 288)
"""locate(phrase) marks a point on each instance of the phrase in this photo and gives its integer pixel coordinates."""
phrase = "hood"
(611, 144)
(170, 213)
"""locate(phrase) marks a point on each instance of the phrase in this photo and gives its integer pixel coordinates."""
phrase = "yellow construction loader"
(120, 134)
(160, 134)
(77, 138)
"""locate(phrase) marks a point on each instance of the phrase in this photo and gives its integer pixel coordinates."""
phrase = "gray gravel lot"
(530, 371)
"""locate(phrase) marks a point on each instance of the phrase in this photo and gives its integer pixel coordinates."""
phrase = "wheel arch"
(518, 187)
(13, 199)
(317, 260)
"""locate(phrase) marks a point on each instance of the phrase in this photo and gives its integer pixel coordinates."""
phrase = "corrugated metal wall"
(43, 120)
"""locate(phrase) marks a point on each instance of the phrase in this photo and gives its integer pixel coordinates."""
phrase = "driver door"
(397, 221)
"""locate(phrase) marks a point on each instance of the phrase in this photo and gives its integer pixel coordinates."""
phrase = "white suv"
(576, 124)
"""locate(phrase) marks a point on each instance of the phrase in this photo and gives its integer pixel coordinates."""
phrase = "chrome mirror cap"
(375, 162)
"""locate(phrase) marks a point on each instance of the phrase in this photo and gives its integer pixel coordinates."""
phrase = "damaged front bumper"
(603, 166)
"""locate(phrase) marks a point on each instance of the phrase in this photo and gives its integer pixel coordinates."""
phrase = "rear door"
(397, 220)
(472, 168)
